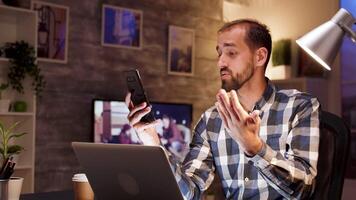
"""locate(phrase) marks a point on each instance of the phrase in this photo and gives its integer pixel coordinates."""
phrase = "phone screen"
(138, 94)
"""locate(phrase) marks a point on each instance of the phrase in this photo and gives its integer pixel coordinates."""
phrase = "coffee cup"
(82, 188)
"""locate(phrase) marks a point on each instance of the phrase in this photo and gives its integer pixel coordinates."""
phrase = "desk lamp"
(323, 42)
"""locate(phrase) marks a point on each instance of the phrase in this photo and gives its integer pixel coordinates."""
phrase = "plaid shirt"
(285, 167)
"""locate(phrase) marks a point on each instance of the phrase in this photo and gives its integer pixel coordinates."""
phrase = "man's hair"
(257, 34)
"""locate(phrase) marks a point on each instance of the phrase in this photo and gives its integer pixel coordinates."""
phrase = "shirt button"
(246, 179)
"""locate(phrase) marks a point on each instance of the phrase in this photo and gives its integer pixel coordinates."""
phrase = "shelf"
(16, 113)
(14, 10)
(23, 167)
(20, 24)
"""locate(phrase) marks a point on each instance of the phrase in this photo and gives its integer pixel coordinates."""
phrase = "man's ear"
(260, 56)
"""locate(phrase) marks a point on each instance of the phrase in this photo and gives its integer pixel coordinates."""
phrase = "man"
(263, 143)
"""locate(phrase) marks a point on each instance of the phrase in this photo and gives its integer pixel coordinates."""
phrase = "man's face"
(235, 58)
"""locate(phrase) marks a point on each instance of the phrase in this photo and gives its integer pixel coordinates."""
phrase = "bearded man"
(262, 142)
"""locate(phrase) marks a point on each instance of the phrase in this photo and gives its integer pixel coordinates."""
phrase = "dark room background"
(93, 71)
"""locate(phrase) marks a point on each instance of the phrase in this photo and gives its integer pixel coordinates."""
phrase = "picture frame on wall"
(121, 27)
(181, 44)
(52, 31)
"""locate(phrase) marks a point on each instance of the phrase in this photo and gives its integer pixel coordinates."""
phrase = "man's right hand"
(145, 131)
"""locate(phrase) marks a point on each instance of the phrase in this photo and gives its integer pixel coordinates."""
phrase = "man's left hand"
(242, 127)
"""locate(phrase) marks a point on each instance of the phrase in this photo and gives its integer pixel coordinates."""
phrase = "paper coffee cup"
(82, 189)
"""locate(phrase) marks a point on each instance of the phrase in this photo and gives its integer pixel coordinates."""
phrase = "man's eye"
(231, 53)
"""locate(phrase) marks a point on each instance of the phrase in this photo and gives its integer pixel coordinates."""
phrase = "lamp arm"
(349, 32)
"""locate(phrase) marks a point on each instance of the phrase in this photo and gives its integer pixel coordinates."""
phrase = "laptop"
(126, 171)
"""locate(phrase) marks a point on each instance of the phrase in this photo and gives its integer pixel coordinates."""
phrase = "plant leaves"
(22, 58)
(16, 135)
(8, 132)
(14, 149)
(6, 135)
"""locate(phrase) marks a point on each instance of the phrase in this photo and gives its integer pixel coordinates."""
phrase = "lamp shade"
(323, 42)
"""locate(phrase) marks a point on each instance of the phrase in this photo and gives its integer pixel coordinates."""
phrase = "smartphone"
(138, 94)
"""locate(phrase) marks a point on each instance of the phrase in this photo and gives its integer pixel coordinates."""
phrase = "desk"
(58, 195)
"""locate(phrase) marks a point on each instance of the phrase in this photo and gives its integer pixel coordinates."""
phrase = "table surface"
(58, 195)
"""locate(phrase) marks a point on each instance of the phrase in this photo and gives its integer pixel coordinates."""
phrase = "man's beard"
(237, 80)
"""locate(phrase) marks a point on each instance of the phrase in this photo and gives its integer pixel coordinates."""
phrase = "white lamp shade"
(324, 42)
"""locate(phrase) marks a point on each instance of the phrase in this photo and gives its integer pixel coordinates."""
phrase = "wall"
(292, 19)
(94, 71)
(348, 63)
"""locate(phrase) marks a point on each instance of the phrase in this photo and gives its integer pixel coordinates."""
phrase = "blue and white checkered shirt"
(286, 166)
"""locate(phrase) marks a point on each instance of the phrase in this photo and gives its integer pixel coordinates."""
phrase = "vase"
(14, 188)
(4, 183)
(279, 72)
(20, 106)
(4, 105)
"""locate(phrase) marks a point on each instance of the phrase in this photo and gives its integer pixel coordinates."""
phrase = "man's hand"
(145, 131)
(242, 127)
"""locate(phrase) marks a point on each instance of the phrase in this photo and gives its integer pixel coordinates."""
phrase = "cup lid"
(80, 178)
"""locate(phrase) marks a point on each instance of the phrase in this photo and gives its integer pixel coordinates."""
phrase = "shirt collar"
(267, 94)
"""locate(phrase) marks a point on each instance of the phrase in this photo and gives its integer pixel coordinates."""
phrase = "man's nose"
(222, 61)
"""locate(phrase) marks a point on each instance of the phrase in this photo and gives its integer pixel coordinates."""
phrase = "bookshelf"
(20, 24)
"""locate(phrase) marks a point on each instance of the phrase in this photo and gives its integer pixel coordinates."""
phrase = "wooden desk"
(58, 195)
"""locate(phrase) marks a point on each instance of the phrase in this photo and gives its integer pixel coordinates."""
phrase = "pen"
(7, 169)
(4, 165)
(10, 170)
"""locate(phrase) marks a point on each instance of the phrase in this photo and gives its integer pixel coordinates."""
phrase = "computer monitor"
(110, 124)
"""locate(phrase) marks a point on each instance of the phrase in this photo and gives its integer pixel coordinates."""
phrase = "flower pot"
(20, 106)
(4, 183)
(14, 188)
(4, 105)
(279, 72)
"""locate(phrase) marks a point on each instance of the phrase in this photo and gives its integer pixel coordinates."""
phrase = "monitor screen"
(111, 124)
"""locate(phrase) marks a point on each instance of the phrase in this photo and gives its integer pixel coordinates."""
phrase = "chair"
(333, 154)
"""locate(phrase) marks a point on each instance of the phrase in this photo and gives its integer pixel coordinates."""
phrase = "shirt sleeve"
(196, 173)
(293, 173)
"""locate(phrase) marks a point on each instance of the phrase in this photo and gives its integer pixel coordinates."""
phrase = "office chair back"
(333, 154)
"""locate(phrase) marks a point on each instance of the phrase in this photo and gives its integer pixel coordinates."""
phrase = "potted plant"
(8, 149)
(23, 63)
(281, 60)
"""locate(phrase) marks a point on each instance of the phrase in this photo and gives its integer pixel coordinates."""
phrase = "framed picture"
(121, 27)
(52, 31)
(181, 51)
